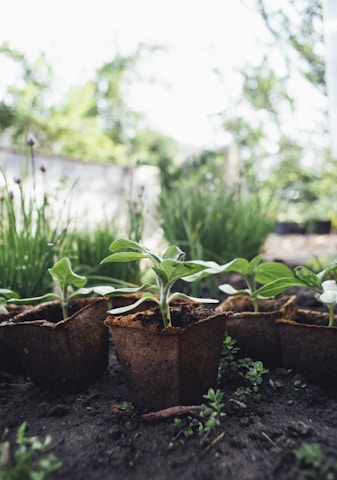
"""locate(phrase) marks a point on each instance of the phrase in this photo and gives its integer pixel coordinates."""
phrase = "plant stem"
(252, 287)
(64, 303)
(331, 315)
(165, 308)
(255, 305)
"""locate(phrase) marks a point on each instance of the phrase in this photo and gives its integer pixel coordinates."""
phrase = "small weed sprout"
(232, 367)
(299, 385)
(275, 384)
(207, 419)
(30, 461)
(127, 407)
(229, 364)
(252, 372)
(314, 464)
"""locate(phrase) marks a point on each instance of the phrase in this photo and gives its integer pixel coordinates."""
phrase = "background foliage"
(284, 166)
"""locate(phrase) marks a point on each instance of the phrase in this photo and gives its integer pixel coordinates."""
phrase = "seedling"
(275, 384)
(29, 459)
(167, 270)
(254, 272)
(232, 367)
(6, 294)
(64, 277)
(323, 283)
(252, 372)
(229, 364)
(314, 464)
(208, 418)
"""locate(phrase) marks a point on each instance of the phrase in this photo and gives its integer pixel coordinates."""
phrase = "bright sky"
(80, 35)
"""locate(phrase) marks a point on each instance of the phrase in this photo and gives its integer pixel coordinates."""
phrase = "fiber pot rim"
(44, 322)
(134, 320)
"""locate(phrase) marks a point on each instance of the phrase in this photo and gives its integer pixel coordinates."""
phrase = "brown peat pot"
(65, 355)
(256, 333)
(309, 346)
(169, 366)
(8, 360)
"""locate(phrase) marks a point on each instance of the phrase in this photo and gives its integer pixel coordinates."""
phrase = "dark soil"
(96, 439)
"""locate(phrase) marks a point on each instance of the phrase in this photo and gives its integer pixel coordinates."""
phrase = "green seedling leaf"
(175, 270)
(32, 300)
(211, 268)
(269, 271)
(329, 270)
(124, 257)
(278, 286)
(3, 303)
(253, 265)
(64, 275)
(174, 253)
(125, 245)
(192, 299)
(116, 292)
(4, 292)
(308, 277)
(127, 308)
(227, 288)
(240, 265)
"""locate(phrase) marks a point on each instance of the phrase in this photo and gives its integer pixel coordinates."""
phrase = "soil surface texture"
(97, 438)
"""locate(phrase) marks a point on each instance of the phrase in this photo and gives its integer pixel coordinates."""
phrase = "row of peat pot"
(281, 335)
(163, 367)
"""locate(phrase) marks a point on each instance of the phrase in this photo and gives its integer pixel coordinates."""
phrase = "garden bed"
(96, 439)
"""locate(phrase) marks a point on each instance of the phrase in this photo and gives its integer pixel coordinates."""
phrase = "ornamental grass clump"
(31, 235)
(167, 270)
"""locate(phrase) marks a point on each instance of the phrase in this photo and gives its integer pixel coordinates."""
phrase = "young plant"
(6, 294)
(208, 418)
(167, 270)
(233, 367)
(252, 372)
(323, 284)
(30, 461)
(254, 272)
(314, 463)
(64, 277)
(229, 365)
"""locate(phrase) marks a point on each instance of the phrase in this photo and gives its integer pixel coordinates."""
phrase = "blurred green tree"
(267, 119)
(93, 121)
